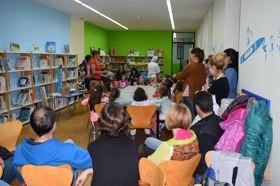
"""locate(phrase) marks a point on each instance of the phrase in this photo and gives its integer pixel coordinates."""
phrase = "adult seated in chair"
(207, 130)
(6, 164)
(114, 154)
(47, 150)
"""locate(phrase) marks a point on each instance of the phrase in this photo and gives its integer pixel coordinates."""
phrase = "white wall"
(77, 37)
(260, 73)
(221, 20)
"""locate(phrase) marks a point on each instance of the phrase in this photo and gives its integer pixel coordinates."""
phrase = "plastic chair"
(1, 171)
(47, 175)
(150, 173)
(180, 173)
(208, 160)
(93, 131)
(141, 116)
(10, 132)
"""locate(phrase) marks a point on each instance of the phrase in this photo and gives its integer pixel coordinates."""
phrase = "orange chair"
(10, 132)
(150, 173)
(47, 175)
(93, 131)
(141, 116)
(180, 173)
(1, 171)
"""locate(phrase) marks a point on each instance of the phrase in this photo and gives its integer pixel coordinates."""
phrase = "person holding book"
(97, 72)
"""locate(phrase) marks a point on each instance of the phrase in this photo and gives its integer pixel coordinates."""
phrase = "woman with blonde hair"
(220, 85)
(183, 145)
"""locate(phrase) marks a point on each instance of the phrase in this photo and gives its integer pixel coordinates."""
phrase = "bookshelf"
(113, 63)
(22, 74)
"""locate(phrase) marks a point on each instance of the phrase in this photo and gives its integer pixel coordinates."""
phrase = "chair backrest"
(141, 115)
(208, 160)
(98, 108)
(10, 132)
(180, 173)
(47, 175)
(150, 173)
(1, 171)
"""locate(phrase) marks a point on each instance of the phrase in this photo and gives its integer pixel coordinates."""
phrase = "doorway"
(182, 43)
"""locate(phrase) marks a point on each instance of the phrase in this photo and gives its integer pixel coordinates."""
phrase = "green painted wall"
(95, 36)
(141, 41)
(123, 40)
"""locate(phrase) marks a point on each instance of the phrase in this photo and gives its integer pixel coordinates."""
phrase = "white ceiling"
(137, 14)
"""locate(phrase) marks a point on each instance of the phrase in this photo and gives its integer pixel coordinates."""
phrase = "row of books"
(71, 74)
(3, 103)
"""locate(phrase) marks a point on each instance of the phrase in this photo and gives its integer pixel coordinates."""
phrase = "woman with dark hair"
(140, 98)
(231, 71)
(120, 73)
(134, 76)
(114, 154)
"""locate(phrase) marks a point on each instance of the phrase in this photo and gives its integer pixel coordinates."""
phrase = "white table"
(128, 92)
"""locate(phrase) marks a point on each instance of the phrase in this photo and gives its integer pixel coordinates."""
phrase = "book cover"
(67, 49)
(6, 64)
(51, 46)
(2, 84)
(15, 47)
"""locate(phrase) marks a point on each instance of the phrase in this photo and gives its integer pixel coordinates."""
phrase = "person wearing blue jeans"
(9, 173)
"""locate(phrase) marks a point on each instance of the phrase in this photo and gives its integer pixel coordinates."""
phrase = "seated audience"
(178, 92)
(140, 98)
(183, 145)
(133, 77)
(123, 81)
(114, 155)
(207, 130)
(219, 86)
(164, 103)
(6, 162)
(142, 81)
(47, 150)
(115, 97)
(120, 73)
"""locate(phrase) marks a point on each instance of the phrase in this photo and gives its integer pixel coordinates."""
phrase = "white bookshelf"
(37, 71)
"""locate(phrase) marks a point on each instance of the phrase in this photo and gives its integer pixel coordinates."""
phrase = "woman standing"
(231, 71)
(193, 76)
(219, 86)
(97, 71)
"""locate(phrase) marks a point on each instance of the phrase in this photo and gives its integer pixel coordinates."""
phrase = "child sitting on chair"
(123, 81)
(141, 81)
(183, 145)
(140, 98)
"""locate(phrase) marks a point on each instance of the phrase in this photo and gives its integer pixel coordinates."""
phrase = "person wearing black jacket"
(207, 130)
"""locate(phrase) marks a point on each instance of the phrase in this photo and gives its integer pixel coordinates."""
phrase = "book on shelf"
(71, 74)
(2, 84)
(6, 65)
(67, 49)
(58, 61)
(51, 47)
(45, 77)
(25, 113)
(25, 81)
(23, 63)
(2, 68)
(151, 52)
(15, 47)
(44, 63)
(25, 97)
(3, 103)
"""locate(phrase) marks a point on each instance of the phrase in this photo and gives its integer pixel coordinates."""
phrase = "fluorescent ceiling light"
(168, 2)
(99, 13)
